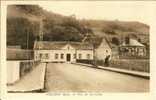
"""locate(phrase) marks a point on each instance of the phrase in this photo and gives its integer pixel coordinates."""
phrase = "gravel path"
(65, 77)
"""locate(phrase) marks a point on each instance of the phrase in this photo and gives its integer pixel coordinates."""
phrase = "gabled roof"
(54, 45)
(132, 42)
(103, 41)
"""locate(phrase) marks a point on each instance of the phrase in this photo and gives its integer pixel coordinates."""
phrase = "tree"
(19, 30)
(115, 41)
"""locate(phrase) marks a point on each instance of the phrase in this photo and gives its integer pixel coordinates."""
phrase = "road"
(65, 77)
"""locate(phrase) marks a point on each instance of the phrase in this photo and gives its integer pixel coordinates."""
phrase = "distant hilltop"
(24, 19)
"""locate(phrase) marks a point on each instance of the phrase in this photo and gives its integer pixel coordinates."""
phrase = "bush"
(115, 41)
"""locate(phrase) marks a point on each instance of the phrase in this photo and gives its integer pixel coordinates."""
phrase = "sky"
(125, 11)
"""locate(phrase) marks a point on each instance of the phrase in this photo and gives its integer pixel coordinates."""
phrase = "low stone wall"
(17, 68)
(27, 66)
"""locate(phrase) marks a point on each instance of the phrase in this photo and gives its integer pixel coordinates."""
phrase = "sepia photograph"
(77, 47)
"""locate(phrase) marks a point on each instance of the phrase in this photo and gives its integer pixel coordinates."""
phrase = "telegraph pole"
(41, 30)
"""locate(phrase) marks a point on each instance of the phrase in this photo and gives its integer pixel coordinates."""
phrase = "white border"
(107, 96)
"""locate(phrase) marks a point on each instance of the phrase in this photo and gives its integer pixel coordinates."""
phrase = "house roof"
(54, 45)
(104, 41)
(132, 42)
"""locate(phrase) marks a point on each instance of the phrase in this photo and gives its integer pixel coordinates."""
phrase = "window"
(40, 55)
(88, 56)
(80, 56)
(74, 56)
(56, 56)
(62, 56)
(46, 56)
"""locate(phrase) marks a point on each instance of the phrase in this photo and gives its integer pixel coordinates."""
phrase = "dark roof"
(102, 40)
(55, 45)
(133, 42)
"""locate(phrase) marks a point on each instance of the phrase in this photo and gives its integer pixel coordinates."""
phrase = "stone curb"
(123, 71)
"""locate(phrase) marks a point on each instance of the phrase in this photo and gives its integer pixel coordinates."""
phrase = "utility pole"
(41, 30)
(27, 38)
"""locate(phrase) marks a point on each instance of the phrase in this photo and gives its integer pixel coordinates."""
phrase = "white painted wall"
(13, 71)
(103, 50)
(84, 54)
(52, 53)
(67, 49)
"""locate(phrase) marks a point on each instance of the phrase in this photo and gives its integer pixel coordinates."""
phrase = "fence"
(132, 64)
(85, 61)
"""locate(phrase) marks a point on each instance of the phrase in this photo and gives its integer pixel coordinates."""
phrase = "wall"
(19, 54)
(13, 71)
(52, 55)
(84, 54)
(102, 51)
(132, 52)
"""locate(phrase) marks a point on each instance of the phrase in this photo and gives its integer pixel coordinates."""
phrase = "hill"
(23, 27)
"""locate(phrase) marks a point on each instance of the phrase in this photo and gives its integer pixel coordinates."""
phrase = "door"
(68, 57)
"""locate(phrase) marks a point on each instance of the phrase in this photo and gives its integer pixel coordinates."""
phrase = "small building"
(50, 51)
(132, 48)
(103, 49)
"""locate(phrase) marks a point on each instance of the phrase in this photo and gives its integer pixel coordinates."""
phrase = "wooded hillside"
(23, 22)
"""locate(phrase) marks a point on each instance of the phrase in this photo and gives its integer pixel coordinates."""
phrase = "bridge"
(74, 78)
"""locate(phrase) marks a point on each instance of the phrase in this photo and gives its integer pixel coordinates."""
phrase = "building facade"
(132, 49)
(103, 50)
(46, 51)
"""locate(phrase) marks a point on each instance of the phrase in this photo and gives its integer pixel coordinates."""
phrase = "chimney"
(127, 40)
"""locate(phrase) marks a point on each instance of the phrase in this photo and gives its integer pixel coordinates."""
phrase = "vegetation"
(115, 41)
(55, 27)
(23, 22)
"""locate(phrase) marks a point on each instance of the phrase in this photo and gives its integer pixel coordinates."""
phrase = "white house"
(103, 50)
(132, 48)
(49, 51)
